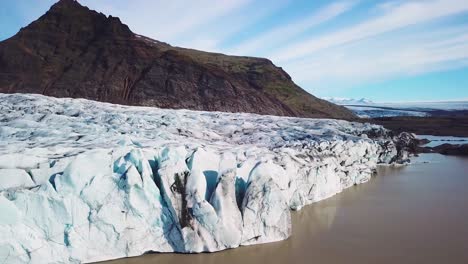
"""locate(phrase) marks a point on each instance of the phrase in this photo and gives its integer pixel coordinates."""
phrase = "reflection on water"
(409, 214)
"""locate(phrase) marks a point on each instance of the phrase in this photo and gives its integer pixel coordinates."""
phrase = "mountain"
(365, 108)
(350, 101)
(72, 51)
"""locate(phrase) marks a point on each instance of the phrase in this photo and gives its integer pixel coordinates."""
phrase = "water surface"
(410, 214)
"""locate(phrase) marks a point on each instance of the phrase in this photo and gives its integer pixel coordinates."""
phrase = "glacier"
(83, 181)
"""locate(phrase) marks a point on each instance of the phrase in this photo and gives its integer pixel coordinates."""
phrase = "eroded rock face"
(72, 51)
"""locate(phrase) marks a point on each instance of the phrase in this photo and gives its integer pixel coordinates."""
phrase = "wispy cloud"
(168, 20)
(396, 17)
(391, 56)
(284, 33)
(215, 35)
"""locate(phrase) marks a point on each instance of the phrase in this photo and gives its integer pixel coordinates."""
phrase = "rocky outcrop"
(72, 51)
(451, 149)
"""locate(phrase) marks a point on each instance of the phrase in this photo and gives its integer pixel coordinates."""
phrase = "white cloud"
(383, 58)
(396, 17)
(283, 33)
(212, 35)
(167, 20)
(201, 24)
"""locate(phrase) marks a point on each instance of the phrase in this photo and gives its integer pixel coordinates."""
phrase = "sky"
(388, 50)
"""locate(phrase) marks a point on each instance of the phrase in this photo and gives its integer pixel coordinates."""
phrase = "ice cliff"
(82, 181)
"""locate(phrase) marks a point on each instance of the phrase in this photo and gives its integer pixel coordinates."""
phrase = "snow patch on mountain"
(82, 181)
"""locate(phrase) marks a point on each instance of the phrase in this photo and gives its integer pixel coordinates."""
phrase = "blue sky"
(395, 50)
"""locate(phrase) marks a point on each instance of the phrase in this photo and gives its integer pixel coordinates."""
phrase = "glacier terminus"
(83, 181)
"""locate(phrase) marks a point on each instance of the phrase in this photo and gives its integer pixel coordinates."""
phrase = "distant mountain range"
(72, 51)
(349, 101)
(366, 108)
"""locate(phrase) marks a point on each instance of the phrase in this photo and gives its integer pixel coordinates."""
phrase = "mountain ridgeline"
(72, 51)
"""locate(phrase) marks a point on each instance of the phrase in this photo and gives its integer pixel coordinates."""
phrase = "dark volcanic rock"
(72, 51)
(449, 149)
(450, 125)
(406, 145)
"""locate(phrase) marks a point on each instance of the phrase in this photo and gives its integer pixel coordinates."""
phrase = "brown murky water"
(412, 214)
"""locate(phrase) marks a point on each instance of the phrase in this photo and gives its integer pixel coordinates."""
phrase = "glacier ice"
(82, 181)
(15, 178)
(265, 211)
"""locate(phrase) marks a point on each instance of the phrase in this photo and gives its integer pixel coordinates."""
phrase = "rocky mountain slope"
(72, 51)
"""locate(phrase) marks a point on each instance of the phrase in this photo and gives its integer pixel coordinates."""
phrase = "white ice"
(82, 181)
